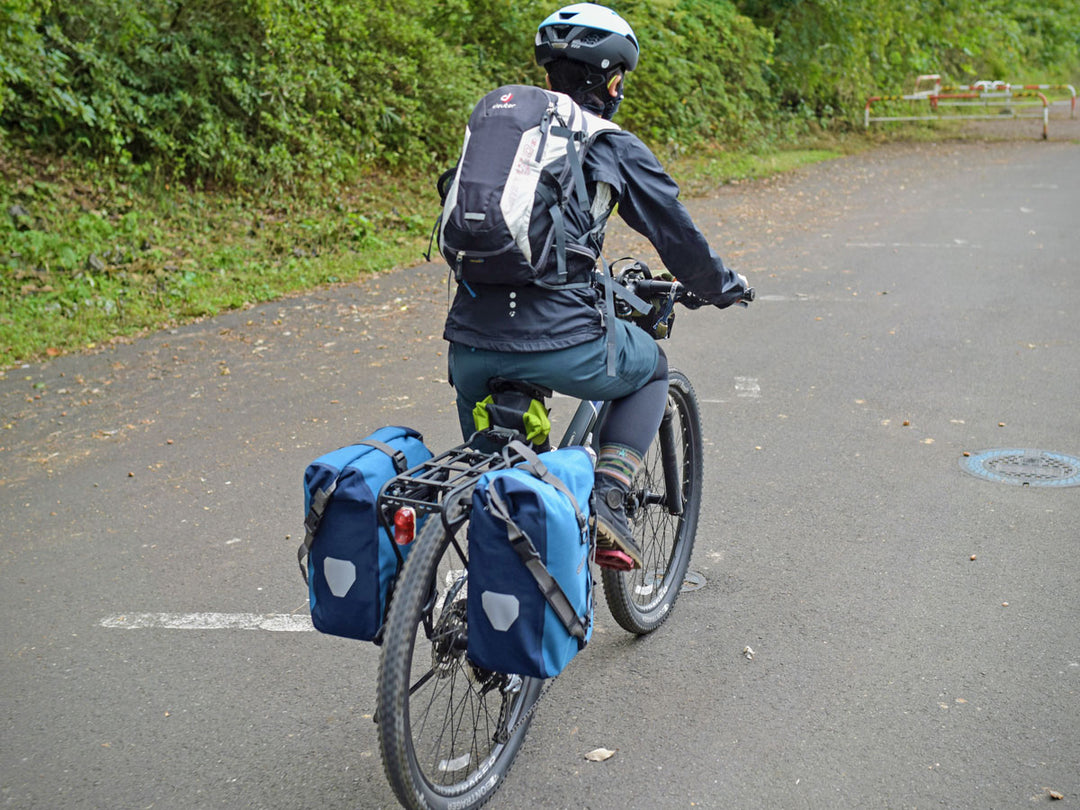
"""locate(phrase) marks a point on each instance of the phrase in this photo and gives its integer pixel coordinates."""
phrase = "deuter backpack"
(516, 203)
(352, 560)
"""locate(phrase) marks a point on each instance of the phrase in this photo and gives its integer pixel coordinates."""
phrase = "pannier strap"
(534, 465)
(554, 594)
(322, 497)
(396, 456)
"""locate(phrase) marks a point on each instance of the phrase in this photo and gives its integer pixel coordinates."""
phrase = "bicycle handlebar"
(654, 288)
(651, 301)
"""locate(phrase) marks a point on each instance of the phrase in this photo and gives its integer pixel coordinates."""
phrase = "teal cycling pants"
(578, 371)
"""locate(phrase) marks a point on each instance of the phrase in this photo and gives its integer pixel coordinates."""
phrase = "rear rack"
(442, 484)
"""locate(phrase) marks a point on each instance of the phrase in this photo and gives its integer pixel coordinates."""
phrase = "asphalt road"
(915, 630)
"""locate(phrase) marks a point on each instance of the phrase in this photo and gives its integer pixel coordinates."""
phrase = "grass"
(699, 173)
(86, 258)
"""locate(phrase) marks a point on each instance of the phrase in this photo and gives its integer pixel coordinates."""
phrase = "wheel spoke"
(438, 715)
(641, 599)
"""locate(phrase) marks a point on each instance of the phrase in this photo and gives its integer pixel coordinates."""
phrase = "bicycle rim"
(440, 717)
(641, 599)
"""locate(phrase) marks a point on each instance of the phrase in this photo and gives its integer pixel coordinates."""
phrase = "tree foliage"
(831, 54)
(238, 91)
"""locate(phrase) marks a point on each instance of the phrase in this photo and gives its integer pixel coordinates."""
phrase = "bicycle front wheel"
(448, 731)
(641, 599)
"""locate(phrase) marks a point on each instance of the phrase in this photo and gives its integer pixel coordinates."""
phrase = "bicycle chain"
(528, 712)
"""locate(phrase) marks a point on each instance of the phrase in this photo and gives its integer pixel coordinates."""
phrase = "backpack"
(352, 560)
(530, 600)
(518, 194)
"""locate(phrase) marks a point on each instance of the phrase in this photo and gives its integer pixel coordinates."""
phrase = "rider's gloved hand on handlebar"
(693, 301)
(734, 291)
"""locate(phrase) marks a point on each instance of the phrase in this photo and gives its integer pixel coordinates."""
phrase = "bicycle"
(448, 730)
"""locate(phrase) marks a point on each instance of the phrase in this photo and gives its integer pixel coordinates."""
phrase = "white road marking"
(956, 243)
(276, 622)
(747, 387)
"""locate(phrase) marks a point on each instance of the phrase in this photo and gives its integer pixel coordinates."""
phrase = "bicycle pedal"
(614, 559)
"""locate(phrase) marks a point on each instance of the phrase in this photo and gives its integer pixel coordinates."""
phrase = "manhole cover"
(1029, 468)
(693, 581)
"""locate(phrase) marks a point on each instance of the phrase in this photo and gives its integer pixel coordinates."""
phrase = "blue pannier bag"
(530, 601)
(352, 560)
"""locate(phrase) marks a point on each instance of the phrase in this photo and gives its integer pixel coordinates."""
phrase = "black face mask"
(611, 106)
(595, 98)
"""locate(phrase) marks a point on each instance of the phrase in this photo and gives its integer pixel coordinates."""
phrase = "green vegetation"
(166, 159)
(88, 260)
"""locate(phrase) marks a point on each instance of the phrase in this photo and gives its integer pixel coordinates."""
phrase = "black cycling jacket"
(528, 319)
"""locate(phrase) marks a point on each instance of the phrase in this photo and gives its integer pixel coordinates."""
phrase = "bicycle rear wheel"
(448, 731)
(641, 599)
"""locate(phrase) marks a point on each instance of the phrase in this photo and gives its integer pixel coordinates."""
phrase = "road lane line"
(747, 387)
(275, 622)
(958, 243)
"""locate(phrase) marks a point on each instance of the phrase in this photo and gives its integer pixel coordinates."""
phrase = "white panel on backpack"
(519, 193)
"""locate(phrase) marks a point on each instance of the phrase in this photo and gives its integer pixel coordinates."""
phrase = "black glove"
(735, 291)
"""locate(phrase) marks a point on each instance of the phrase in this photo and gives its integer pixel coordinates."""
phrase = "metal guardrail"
(985, 94)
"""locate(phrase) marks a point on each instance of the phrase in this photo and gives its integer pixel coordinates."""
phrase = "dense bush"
(701, 75)
(239, 91)
(232, 91)
(831, 54)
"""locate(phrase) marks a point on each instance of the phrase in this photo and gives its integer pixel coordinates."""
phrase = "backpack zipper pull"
(545, 125)
(458, 273)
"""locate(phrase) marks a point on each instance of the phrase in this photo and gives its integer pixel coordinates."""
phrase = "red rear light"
(404, 526)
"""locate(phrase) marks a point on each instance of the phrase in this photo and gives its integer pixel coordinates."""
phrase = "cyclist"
(557, 338)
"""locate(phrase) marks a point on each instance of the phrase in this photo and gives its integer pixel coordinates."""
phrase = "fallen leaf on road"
(599, 754)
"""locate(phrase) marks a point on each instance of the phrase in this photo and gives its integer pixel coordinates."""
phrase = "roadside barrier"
(1004, 86)
(1005, 97)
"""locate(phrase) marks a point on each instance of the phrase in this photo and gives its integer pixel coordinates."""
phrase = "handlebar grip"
(691, 299)
(749, 295)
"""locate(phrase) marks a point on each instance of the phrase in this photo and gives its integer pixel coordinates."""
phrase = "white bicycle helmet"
(586, 32)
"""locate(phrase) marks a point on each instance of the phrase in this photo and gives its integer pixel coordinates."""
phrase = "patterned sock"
(618, 461)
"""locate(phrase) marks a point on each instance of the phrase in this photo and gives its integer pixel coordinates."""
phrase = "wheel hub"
(448, 640)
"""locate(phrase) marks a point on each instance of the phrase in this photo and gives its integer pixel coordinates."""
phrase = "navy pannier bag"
(530, 601)
(352, 559)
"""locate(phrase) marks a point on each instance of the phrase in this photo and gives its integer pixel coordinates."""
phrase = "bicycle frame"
(444, 484)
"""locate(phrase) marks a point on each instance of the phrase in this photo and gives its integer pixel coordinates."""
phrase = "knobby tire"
(438, 744)
(641, 599)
